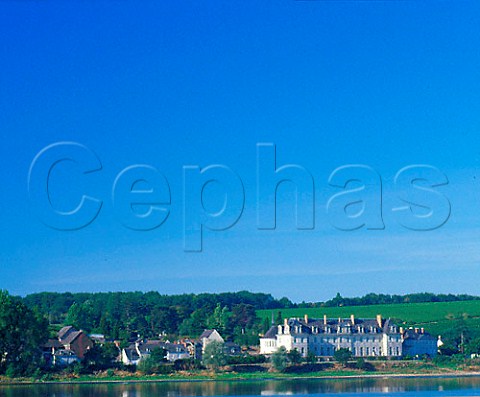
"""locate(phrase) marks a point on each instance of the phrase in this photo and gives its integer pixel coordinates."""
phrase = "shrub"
(187, 364)
(258, 359)
(280, 359)
(214, 355)
(342, 356)
(294, 356)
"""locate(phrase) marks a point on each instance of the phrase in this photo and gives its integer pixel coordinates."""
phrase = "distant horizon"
(253, 292)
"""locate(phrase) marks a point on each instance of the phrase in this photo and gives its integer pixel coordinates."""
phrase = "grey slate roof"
(64, 331)
(53, 343)
(131, 354)
(149, 346)
(411, 334)
(272, 332)
(206, 333)
(70, 337)
(175, 348)
(363, 326)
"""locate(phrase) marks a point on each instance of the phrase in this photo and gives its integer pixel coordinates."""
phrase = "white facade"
(268, 345)
(209, 336)
(363, 337)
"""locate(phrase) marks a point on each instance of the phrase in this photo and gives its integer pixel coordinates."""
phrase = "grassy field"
(435, 317)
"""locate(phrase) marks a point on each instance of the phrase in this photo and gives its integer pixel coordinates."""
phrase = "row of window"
(361, 351)
(343, 340)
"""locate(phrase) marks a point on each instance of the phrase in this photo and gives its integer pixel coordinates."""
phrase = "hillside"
(435, 317)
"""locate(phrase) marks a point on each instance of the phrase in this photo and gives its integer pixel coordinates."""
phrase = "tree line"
(26, 323)
(384, 299)
(127, 315)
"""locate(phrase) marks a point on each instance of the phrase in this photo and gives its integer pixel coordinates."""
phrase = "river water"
(418, 387)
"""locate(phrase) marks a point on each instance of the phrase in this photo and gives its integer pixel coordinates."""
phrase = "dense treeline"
(384, 299)
(22, 331)
(125, 315)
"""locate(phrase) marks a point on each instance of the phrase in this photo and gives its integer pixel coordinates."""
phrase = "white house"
(142, 349)
(208, 336)
(363, 337)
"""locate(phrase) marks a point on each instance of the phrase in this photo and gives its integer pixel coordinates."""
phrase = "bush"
(311, 358)
(280, 359)
(187, 364)
(259, 359)
(78, 369)
(440, 359)
(304, 368)
(149, 366)
(360, 364)
(294, 356)
(128, 368)
(342, 356)
(11, 372)
(214, 355)
(363, 365)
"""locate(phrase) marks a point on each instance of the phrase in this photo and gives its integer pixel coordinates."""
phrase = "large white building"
(363, 337)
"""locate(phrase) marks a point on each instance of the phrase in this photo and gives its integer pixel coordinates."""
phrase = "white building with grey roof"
(363, 337)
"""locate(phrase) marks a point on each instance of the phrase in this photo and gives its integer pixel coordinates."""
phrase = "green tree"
(361, 364)
(159, 355)
(280, 359)
(459, 335)
(101, 357)
(243, 316)
(294, 356)
(337, 301)
(342, 356)
(214, 355)
(219, 319)
(163, 320)
(265, 325)
(195, 324)
(22, 332)
(473, 346)
(279, 319)
(154, 363)
(311, 357)
(83, 316)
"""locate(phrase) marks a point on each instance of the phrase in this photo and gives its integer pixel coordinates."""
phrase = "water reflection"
(369, 387)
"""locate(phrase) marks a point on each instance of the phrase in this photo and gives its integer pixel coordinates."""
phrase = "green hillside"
(435, 317)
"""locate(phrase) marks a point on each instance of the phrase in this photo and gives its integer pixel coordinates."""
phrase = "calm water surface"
(346, 388)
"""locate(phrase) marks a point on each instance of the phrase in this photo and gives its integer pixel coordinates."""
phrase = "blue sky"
(381, 83)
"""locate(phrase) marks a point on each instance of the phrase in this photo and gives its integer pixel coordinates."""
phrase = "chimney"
(439, 341)
(306, 318)
(416, 330)
(324, 319)
(285, 322)
(402, 330)
(379, 320)
(352, 319)
(422, 330)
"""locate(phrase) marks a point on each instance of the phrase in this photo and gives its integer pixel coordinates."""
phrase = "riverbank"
(203, 376)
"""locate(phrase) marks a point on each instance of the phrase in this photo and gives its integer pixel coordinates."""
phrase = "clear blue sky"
(172, 83)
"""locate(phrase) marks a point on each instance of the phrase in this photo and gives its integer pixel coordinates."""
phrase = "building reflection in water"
(377, 387)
